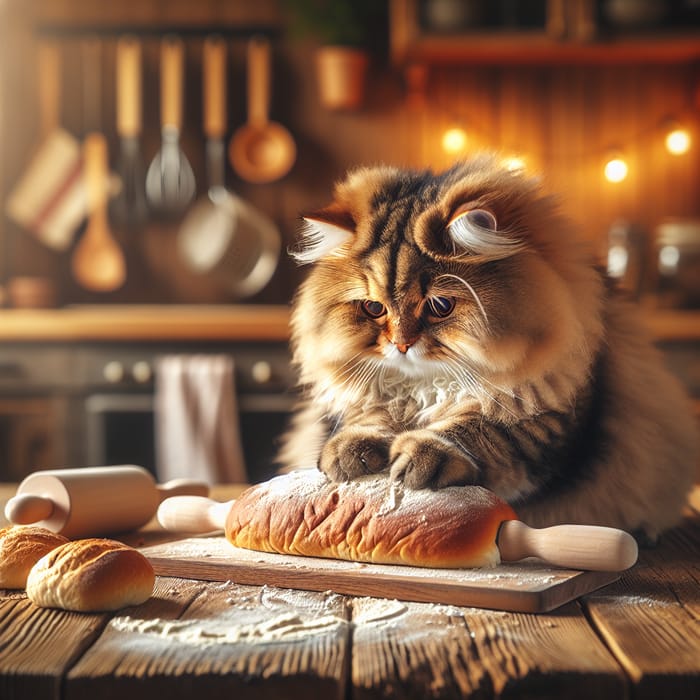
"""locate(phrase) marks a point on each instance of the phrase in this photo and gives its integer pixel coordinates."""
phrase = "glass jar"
(678, 263)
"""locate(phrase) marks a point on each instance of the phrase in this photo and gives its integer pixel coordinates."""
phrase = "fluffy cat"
(453, 330)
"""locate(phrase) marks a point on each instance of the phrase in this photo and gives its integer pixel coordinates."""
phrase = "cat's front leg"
(355, 451)
(424, 458)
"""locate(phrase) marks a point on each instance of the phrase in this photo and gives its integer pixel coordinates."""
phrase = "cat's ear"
(323, 233)
(475, 232)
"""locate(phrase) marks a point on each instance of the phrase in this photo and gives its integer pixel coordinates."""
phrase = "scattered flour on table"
(284, 627)
(371, 610)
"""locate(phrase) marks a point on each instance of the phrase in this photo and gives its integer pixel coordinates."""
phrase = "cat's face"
(460, 275)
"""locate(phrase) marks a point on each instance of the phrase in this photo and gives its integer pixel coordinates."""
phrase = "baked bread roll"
(370, 520)
(21, 546)
(91, 575)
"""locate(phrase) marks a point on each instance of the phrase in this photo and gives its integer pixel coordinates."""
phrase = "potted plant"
(345, 31)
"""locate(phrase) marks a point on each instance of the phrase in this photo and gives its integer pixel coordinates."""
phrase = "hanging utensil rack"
(68, 31)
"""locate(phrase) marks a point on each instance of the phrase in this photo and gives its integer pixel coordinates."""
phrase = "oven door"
(121, 429)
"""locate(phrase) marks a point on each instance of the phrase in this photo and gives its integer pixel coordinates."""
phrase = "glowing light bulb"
(677, 141)
(454, 140)
(616, 169)
(515, 164)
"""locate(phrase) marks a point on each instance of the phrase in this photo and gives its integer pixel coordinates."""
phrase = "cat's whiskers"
(347, 366)
(340, 388)
(463, 363)
(357, 377)
(474, 381)
(351, 371)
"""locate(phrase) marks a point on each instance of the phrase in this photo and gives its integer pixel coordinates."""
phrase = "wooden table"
(636, 638)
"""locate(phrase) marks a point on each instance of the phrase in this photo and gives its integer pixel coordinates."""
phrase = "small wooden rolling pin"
(464, 527)
(93, 501)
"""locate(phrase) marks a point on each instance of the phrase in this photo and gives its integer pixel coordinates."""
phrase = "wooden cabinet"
(569, 31)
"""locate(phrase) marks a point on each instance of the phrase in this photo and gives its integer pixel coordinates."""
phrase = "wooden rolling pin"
(93, 501)
(466, 526)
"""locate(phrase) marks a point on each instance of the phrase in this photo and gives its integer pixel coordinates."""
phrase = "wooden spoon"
(261, 151)
(98, 262)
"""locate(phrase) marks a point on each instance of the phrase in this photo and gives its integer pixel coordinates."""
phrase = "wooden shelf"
(411, 43)
(674, 325)
(540, 49)
(224, 322)
(74, 30)
(146, 323)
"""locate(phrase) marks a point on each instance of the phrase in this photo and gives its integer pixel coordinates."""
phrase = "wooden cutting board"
(527, 586)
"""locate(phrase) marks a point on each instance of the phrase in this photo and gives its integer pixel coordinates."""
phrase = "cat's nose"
(402, 344)
(402, 338)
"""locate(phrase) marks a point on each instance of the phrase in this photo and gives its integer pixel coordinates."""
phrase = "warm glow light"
(515, 164)
(616, 170)
(677, 141)
(454, 140)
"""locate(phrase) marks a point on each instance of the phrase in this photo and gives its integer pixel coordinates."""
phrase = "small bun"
(21, 546)
(91, 575)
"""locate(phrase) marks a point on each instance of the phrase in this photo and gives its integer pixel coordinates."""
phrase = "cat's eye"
(373, 309)
(440, 307)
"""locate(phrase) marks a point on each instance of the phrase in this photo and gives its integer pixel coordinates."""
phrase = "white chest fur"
(416, 398)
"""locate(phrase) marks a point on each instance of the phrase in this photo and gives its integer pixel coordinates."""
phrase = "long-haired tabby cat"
(453, 330)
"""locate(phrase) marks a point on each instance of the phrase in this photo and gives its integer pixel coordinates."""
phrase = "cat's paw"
(355, 452)
(422, 459)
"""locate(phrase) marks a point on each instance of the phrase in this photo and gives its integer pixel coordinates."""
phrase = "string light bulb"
(514, 164)
(677, 140)
(616, 169)
(454, 140)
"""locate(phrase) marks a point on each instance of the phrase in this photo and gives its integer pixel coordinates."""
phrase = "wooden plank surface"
(638, 638)
(38, 646)
(196, 639)
(651, 618)
(528, 586)
(416, 650)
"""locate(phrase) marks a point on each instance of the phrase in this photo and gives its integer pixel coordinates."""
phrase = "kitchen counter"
(637, 637)
(146, 323)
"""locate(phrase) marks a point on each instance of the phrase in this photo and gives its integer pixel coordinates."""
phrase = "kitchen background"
(560, 88)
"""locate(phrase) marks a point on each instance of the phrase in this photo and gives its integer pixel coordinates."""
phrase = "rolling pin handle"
(193, 514)
(27, 508)
(181, 487)
(589, 547)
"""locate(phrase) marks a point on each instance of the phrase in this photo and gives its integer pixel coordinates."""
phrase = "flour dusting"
(393, 498)
(281, 628)
(370, 610)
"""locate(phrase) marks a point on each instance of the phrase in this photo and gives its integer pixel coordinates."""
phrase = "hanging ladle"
(261, 151)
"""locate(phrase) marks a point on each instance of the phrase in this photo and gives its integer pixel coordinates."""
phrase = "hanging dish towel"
(197, 427)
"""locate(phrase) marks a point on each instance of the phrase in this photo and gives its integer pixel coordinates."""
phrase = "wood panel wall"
(562, 119)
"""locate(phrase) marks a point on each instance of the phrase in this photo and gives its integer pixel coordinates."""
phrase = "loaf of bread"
(370, 520)
(20, 548)
(91, 575)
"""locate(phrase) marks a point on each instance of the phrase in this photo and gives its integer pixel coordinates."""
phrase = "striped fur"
(540, 384)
